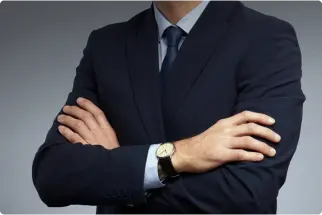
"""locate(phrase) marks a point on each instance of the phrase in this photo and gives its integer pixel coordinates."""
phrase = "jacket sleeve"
(268, 81)
(66, 174)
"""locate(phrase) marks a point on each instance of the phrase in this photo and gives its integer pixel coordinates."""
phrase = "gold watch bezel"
(159, 153)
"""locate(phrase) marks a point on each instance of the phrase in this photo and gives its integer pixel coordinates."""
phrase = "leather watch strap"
(167, 167)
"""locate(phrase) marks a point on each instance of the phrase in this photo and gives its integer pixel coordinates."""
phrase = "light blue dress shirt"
(151, 177)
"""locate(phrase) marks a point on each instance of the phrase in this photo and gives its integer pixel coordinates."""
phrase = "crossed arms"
(82, 169)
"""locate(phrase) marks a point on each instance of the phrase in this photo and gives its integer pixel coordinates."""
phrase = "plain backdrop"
(40, 46)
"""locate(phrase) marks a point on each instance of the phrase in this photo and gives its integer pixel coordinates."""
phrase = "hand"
(226, 141)
(87, 124)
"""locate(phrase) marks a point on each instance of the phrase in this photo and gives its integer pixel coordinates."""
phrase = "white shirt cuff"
(151, 175)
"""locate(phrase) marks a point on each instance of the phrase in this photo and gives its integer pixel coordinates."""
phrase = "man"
(189, 107)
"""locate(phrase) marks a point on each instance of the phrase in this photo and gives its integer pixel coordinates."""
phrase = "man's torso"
(203, 85)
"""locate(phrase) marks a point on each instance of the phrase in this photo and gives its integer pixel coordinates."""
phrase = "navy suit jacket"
(234, 59)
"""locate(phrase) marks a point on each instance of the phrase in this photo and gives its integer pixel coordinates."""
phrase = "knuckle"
(95, 131)
(267, 148)
(241, 155)
(246, 141)
(70, 108)
(272, 133)
(264, 148)
(263, 117)
(268, 133)
(74, 138)
(227, 130)
(220, 122)
(79, 123)
(87, 116)
(62, 130)
(113, 132)
(245, 114)
(84, 101)
(252, 127)
(100, 113)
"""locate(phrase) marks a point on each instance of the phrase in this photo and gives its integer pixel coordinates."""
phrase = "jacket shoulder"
(117, 31)
(263, 23)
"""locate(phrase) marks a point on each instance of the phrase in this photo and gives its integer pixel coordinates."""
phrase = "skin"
(226, 141)
(87, 124)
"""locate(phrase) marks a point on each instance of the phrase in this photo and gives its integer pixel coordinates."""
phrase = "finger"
(242, 155)
(250, 143)
(76, 125)
(83, 115)
(70, 135)
(248, 116)
(252, 129)
(95, 111)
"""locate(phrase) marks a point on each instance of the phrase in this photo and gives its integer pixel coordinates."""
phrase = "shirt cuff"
(151, 175)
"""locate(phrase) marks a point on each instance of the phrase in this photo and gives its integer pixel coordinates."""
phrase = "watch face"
(165, 150)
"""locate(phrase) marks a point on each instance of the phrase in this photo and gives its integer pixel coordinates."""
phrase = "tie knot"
(173, 35)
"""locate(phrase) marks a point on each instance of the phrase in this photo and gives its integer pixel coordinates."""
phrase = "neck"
(176, 10)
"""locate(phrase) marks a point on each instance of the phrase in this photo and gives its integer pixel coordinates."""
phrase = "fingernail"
(59, 117)
(80, 99)
(272, 152)
(60, 128)
(277, 137)
(260, 156)
(271, 120)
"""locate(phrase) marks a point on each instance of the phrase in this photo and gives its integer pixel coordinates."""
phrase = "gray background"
(41, 44)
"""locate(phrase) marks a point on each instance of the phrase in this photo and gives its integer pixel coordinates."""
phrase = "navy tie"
(172, 37)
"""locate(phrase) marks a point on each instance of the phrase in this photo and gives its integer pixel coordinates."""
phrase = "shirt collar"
(186, 23)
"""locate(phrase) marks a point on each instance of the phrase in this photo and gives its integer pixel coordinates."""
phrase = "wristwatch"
(164, 153)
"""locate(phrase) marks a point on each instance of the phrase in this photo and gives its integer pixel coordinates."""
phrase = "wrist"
(178, 159)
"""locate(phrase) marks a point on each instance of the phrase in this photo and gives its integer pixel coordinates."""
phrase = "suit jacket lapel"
(195, 52)
(142, 53)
